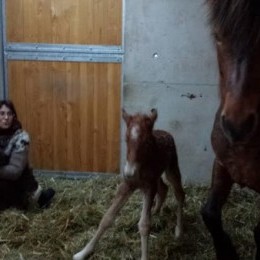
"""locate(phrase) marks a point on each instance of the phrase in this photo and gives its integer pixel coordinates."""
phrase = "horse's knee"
(257, 234)
(205, 212)
(257, 241)
(210, 217)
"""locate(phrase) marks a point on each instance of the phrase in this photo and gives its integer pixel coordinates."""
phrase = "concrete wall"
(170, 64)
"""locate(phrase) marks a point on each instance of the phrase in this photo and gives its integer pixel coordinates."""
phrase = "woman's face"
(6, 117)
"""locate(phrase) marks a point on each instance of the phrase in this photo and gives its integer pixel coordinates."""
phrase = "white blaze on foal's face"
(131, 167)
(135, 132)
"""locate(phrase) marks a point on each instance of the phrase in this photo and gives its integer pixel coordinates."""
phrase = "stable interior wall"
(170, 64)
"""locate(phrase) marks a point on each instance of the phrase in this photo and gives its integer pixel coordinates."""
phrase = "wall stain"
(175, 125)
(189, 95)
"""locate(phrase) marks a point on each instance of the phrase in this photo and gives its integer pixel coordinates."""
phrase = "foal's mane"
(238, 22)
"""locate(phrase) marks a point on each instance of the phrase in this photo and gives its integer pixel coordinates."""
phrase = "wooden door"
(63, 72)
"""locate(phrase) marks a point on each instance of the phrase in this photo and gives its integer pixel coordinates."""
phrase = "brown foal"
(149, 154)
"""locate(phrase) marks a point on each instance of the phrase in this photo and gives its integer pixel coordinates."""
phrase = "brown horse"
(236, 131)
(149, 153)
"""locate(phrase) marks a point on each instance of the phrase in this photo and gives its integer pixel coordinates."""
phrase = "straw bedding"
(63, 229)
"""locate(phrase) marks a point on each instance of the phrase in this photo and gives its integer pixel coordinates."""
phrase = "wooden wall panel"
(65, 21)
(72, 112)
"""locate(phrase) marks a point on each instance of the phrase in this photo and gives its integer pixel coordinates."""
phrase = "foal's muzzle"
(238, 132)
(130, 169)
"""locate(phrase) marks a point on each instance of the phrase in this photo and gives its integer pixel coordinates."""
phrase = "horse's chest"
(243, 166)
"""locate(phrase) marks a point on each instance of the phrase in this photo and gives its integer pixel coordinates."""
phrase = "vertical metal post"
(121, 160)
(2, 58)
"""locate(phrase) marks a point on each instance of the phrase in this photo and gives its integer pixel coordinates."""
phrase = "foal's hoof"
(78, 256)
(84, 253)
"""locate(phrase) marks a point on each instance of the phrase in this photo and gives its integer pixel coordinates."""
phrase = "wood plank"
(72, 22)
(72, 112)
(87, 121)
(113, 127)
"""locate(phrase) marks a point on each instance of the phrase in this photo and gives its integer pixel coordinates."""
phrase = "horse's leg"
(144, 224)
(173, 175)
(257, 241)
(162, 190)
(211, 213)
(123, 193)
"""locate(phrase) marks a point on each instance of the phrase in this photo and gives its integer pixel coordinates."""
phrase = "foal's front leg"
(211, 213)
(144, 224)
(123, 193)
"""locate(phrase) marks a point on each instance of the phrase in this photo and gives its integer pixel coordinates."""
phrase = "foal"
(149, 153)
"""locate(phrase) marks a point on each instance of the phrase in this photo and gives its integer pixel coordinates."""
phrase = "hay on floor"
(64, 228)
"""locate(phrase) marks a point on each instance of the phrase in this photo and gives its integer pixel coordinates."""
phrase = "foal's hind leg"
(211, 213)
(173, 175)
(123, 193)
(162, 190)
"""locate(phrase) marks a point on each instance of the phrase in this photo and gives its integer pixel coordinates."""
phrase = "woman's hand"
(4, 159)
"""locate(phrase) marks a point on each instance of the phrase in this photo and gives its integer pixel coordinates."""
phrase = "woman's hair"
(16, 123)
(10, 105)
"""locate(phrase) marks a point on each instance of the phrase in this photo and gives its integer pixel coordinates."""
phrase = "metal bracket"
(63, 52)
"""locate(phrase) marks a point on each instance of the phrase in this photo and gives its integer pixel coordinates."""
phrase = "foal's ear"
(153, 114)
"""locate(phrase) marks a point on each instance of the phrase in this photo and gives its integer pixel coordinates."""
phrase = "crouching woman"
(18, 186)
